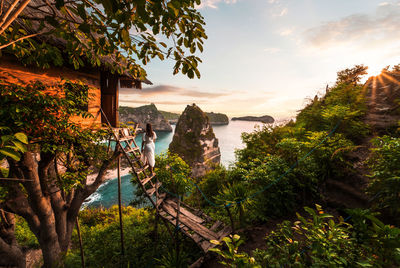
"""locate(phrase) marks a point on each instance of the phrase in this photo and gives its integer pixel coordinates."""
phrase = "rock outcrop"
(144, 114)
(264, 119)
(195, 141)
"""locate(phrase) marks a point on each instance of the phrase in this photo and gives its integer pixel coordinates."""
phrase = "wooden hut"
(103, 84)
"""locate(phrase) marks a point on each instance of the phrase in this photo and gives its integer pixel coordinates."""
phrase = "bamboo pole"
(120, 206)
(78, 229)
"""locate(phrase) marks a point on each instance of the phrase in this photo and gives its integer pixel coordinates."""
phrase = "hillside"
(144, 114)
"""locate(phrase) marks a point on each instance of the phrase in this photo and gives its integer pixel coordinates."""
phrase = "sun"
(374, 71)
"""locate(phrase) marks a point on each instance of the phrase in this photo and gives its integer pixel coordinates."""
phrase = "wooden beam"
(13, 179)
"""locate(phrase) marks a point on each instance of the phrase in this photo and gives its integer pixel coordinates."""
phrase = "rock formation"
(144, 114)
(264, 119)
(195, 141)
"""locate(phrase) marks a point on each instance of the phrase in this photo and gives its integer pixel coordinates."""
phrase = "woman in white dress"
(148, 146)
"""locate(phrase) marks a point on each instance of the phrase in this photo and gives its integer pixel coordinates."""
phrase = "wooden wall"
(13, 72)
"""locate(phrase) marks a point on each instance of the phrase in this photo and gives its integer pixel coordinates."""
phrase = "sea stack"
(194, 140)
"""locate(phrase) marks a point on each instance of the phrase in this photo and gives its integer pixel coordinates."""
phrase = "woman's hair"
(149, 130)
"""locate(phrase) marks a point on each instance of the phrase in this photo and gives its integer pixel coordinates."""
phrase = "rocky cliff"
(195, 141)
(264, 119)
(144, 114)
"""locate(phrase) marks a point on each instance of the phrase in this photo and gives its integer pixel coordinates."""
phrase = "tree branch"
(15, 14)
(20, 39)
(10, 9)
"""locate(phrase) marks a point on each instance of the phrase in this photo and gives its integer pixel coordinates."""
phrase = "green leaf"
(21, 137)
(125, 36)
(21, 147)
(10, 153)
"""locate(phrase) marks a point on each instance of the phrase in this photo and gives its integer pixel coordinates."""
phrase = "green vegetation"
(318, 240)
(384, 187)
(215, 118)
(100, 235)
(218, 118)
(169, 115)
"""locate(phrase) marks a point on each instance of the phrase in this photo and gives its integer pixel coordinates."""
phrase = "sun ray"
(389, 77)
(381, 83)
(366, 86)
(373, 92)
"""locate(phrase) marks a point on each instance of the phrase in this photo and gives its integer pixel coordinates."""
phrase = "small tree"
(174, 173)
(351, 75)
(49, 180)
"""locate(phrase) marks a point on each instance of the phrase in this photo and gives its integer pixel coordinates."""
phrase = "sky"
(269, 57)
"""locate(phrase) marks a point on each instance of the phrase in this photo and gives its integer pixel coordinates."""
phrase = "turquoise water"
(229, 137)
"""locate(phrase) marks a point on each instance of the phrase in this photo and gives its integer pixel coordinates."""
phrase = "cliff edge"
(144, 114)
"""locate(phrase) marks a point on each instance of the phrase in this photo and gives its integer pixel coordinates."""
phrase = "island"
(144, 114)
(264, 119)
(216, 119)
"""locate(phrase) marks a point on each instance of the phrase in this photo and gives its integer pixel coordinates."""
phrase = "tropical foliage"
(318, 240)
(384, 187)
(92, 31)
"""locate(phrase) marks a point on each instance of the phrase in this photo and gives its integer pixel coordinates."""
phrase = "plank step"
(184, 211)
(191, 224)
(127, 138)
(151, 191)
(140, 170)
(160, 199)
(215, 226)
(131, 150)
(147, 179)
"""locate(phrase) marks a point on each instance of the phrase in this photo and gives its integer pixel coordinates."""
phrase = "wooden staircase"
(192, 222)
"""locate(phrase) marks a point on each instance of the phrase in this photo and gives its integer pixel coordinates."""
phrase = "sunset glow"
(269, 56)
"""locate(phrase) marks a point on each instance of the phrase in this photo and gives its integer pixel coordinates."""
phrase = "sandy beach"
(111, 174)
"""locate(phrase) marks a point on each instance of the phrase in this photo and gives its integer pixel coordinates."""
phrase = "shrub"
(384, 187)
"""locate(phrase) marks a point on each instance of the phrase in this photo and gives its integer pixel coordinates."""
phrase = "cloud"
(214, 3)
(162, 90)
(383, 26)
(145, 102)
(286, 32)
(278, 9)
(272, 50)
(283, 12)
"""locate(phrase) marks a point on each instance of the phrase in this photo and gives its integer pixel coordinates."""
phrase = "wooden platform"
(200, 229)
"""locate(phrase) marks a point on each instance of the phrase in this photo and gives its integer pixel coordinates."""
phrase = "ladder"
(192, 222)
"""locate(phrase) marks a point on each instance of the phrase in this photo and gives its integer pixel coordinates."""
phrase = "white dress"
(149, 148)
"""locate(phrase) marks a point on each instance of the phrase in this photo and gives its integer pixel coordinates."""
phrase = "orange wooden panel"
(13, 72)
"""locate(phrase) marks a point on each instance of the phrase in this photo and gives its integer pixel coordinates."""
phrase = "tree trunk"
(11, 254)
(51, 216)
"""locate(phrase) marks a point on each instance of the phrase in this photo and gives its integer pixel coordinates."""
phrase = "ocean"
(229, 137)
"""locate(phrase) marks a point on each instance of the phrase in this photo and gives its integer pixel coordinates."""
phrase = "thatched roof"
(36, 12)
